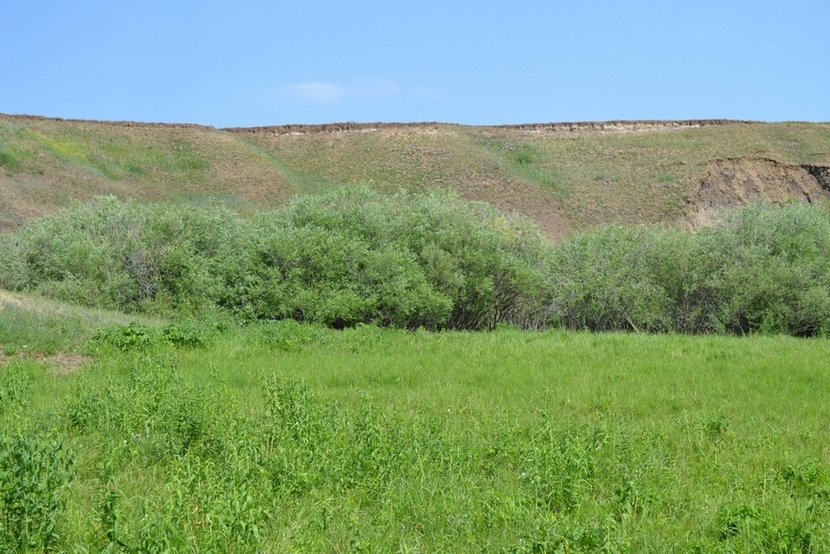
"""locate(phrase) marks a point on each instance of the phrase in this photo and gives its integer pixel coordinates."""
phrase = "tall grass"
(40, 325)
(288, 437)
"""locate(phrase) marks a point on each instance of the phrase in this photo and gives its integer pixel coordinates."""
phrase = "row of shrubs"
(430, 260)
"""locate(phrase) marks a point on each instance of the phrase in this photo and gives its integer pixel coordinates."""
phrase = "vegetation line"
(355, 256)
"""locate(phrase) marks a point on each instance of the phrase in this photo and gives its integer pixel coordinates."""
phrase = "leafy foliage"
(769, 270)
(354, 256)
(763, 269)
(35, 471)
(405, 260)
(14, 385)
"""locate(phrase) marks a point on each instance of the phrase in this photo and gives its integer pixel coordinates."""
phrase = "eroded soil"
(731, 183)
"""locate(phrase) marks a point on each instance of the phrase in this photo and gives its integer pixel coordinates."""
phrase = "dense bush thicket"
(433, 260)
(124, 256)
(349, 257)
(764, 268)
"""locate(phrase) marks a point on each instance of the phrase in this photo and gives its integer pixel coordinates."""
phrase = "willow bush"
(430, 260)
(125, 256)
(352, 256)
(769, 270)
(407, 260)
(764, 268)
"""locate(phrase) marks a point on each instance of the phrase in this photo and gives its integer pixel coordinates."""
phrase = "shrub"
(614, 279)
(763, 269)
(134, 336)
(768, 269)
(186, 335)
(352, 256)
(124, 256)
(407, 260)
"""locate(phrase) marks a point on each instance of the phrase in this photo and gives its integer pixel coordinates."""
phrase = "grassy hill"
(564, 176)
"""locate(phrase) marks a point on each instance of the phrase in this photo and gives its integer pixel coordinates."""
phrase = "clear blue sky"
(249, 62)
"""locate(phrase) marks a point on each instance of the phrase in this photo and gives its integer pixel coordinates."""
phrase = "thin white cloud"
(426, 93)
(316, 91)
(327, 92)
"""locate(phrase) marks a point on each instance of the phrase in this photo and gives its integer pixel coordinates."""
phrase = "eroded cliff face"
(731, 183)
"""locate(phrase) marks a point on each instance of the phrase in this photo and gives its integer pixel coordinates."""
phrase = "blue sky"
(248, 62)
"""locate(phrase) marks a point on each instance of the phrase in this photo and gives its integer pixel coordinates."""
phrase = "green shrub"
(127, 337)
(124, 256)
(318, 275)
(763, 269)
(614, 279)
(186, 335)
(405, 260)
(352, 256)
(768, 269)
(409, 260)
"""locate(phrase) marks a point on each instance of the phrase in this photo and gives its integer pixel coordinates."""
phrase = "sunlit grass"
(40, 325)
(388, 440)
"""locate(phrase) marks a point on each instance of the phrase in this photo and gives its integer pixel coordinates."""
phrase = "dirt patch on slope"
(731, 183)
(59, 363)
(517, 196)
(10, 299)
(63, 363)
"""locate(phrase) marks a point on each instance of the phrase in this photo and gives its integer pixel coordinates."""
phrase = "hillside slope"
(564, 176)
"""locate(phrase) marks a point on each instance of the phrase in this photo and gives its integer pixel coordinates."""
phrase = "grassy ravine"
(280, 437)
(564, 181)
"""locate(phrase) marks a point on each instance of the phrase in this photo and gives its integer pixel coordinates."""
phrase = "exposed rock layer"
(731, 183)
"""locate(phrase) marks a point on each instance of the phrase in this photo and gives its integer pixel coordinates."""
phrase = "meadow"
(288, 437)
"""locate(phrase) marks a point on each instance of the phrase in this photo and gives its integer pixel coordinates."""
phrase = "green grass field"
(281, 437)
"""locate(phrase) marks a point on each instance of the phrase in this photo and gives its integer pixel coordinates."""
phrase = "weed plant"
(35, 470)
